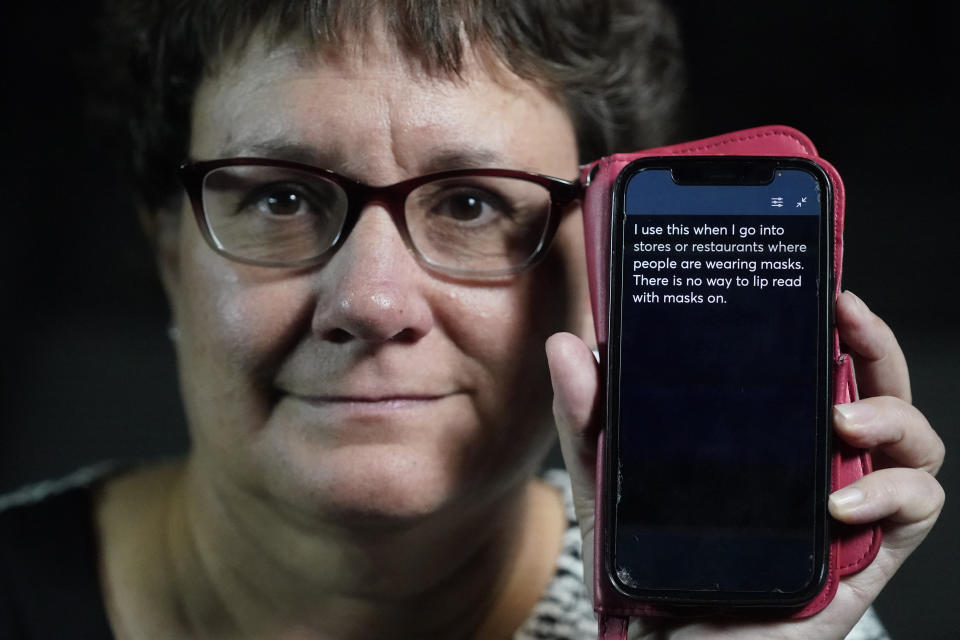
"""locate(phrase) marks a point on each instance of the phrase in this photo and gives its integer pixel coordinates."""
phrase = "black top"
(49, 584)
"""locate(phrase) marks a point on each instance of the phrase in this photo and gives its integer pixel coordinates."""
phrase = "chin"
(364, 483)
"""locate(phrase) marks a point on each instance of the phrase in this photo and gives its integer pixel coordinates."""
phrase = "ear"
(162, 229)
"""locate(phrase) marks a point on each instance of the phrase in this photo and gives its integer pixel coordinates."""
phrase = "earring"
(173, 332)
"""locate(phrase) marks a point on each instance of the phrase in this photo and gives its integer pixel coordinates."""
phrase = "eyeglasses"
(470, 222)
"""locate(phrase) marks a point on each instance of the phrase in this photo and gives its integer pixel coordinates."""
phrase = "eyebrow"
(464, 157)
(441, 159)
(289, 150)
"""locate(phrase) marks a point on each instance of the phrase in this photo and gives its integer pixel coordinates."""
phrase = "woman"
(368, 411)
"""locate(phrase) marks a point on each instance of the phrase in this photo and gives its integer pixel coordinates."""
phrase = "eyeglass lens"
(278, 215)
(272, 215)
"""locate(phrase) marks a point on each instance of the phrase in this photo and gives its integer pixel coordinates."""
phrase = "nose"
(373, 290)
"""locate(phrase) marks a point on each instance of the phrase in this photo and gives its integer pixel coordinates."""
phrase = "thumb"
(576, 385)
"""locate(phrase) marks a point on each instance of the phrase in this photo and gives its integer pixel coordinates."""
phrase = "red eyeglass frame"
(392, 197)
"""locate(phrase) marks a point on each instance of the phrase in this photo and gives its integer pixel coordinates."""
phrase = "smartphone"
(719, 381)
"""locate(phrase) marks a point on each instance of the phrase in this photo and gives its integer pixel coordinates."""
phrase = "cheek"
(491, 326)
(246, 324)
(504, 328)
(501, 331)
(236, 324)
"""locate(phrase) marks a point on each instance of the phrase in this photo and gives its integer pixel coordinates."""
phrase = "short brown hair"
(614, 64)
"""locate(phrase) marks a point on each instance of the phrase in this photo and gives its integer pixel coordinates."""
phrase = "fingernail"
(847, 498)
(856, 414)
(860, 303)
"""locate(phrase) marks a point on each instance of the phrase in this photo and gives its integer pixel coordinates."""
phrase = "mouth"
(385, 401)
(369, 406)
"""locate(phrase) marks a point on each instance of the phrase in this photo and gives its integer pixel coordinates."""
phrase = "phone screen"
(719, 374)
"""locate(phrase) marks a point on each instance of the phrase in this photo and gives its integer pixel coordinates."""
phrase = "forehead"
(373, 113)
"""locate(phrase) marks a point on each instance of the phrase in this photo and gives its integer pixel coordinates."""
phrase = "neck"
(243, 569)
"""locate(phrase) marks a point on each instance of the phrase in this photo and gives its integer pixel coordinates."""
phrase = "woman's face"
(367, 386)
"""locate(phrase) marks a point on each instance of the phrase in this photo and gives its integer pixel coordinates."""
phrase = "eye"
(464, 207)
(470, 205)
(285, 200)
(284, 203)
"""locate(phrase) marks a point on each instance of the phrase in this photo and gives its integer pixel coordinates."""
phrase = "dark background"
(86, 372)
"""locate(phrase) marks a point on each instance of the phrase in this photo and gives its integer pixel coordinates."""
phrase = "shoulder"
(37, 493)
(46, 515)
(48, 558)
(565, 611)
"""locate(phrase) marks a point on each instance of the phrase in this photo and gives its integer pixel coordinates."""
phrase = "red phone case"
(851, 548)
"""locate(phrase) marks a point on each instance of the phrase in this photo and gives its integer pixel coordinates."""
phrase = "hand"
(902, 494)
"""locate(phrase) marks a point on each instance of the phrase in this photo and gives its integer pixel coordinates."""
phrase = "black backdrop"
(85, 368)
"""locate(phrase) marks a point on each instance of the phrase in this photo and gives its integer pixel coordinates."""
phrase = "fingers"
(893, 428)
(880, 366)
(906, 494)
(908, 502)
(903, 496)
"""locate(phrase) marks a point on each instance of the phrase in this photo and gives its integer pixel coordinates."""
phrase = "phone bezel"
(825, 390)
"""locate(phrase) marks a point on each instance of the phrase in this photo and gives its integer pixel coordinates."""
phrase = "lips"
(340, 411)
(369, 402)
(398, 400)
(382, 384)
